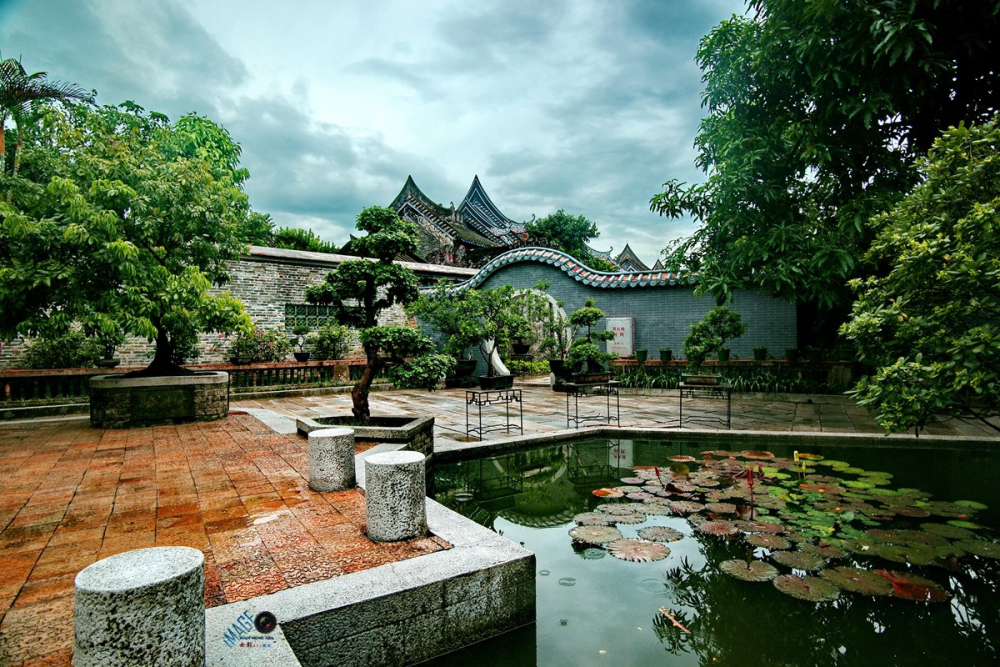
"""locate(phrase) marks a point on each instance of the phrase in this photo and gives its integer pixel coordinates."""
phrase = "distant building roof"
(629, 261)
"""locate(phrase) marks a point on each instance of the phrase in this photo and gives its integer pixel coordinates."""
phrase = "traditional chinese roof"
(481, 214)
(629, 261)
(576, 270)
(658, 266)
(602, 254)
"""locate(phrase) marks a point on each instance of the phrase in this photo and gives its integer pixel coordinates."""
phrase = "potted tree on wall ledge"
(709, 336)
(585, 355)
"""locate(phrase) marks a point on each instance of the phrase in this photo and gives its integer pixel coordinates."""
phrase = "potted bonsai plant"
(585, 355)
(666, 355)
(710, 335)
(109, 342)
(760, 353)
(302, 338)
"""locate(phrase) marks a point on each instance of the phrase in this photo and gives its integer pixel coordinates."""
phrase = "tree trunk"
(162, 363)
(3, 143)
(17, 162)
(359, 394)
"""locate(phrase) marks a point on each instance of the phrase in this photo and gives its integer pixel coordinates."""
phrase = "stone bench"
(395, 496)
(141, 607)
(331, 459)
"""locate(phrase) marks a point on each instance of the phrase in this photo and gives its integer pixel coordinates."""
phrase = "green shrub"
(711, 333)
(528, 367)
(424, 372)
(332, 341)
(260, 345)
(71, 350)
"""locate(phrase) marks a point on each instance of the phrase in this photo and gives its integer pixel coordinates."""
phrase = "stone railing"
(71, 385)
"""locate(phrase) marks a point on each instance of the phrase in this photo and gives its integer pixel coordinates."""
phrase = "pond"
(858, 556)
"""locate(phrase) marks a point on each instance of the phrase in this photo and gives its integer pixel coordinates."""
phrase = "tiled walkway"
(71, 494)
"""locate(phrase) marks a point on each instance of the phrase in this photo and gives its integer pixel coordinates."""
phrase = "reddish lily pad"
(593, 519)
(608, 493)
(811, 589)
(827, 551)
(634, 480)
(660, 534)
(653, 509)
(753, 571)
(721, 508)
(719, 529)
(686, 506)
(638, 551)
(757, 455)
(595, 534)
(682, 458)
(911, 587)
(630, 518)
(613, 509)
(765, 541)
(910, 512)
(856, 580)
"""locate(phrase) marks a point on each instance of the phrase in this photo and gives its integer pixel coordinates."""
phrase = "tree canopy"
(928, 314)
(563, 231)
(122, 221)
(815, 112)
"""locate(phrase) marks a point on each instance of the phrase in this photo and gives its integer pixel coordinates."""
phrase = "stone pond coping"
(401, 613)
(120, 402)
(417, 434)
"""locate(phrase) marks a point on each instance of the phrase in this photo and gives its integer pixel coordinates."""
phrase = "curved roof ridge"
(574, 269)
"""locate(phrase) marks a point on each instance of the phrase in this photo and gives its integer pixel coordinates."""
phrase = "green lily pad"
(660, 534)
(753, 571)
(811, 589)
(638, 551)
(980, 548)
(856, 580)
(948, 531)
(767, 541)
(595, 534)
(798, 560)
(964, 524)
(971, 504)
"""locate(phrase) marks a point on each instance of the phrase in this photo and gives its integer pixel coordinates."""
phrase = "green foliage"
(562, 231)
(528, 367)
(423, 372)
(301, 239)
(119, 224)
(69, 350)
(599, 263)
(332, 341)
(927, 316)
(584, 351)
(815, 112)
(711, 333)
(260, 345)
(452, 315)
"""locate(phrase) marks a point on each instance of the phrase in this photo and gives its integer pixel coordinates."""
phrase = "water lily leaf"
(628, 489)
(980, 548)
(660, 534)
(719, 529)
(630, 518)
(856, 580)
(833, 463)
(686, 506)
(682, 458)
(757, 455)
(766, 541)
(650, 509)
(608, 493)
(971, 504)
(638, 551)
(947, 531)
(910, 512)
(911, 587)
(616, 508)
(593, 519)
(639, 495)
(634, 480)
(964, 524)
(679, 469)
(753, 571)
(595, 534)
(861, 546)
(798, 560)
(810, 457)
(811, 589)
(827, 551)
(721, 508)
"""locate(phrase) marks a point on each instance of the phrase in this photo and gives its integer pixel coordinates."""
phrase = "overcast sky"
(585, 106)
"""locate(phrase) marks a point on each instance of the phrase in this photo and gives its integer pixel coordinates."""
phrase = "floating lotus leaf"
(810, 457)
(608, 493)
(888, 536)
(639, 495)
(920, 537)
(826, 489)
(680, 487)
(660, 534)
(827, 551)
(856, 580)
(766, 524)
(770, 502)
(811, 589)
(911, 587)
(858, 484)
(721, 453)
(638, 551)
(616, 509)
(651, 509)
(657, 501)
(595, 534)
(947, 531)
(910, 512)
(878, 513)
(708, 483)
(593, 519)
(946, 509)
(630, 518)
(833, 463)
(958, 523)
(629, 489)
(682, 458)
(897, 553)
(877, 473)
(721, 508)
(853, 470)
(823, 479)
(980, 548)
(971, 504)
(686, 506)
(757, 455)
(634, 480)
(719, 529)
(753, 571)
(765, 541)
(861, 546)
(798, 560)
(679, 469)
(697, 520)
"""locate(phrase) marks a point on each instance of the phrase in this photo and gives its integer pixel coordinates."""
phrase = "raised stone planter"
(395, 496)
(142, 607)
(331, 459)
(117, 402)
(417, 433)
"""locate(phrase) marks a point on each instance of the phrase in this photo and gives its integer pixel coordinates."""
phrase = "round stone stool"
(141, 607)
(396, 496)
(331, 459)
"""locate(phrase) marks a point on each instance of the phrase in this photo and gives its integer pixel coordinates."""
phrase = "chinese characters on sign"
(624, 342)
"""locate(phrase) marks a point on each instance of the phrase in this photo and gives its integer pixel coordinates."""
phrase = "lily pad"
(652, 509)
(798, 560)
(615, 509)
(827, 551)
(971, 504)
(861, 546)
(686, 506)
(948, 531)
(980, 548)
(811, 589)
(595, 534)
(639, 495)
(910, 512)
(638, 551)
(629, 489)
(958, 523)
(719, 529)
(634, 480)
(911, 587)
(608, 493)
(682, 458)
(753, 571)
(856, 580)
(660, 534)
(757, 455)
(766, 541)
(721, 508)
(593, 519)
(631, 518)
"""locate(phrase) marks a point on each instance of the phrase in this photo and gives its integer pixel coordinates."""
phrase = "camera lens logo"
(265, 622)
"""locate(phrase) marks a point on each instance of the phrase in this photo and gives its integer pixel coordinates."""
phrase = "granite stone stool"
(141, 607)
(395, 496)
(331, 459)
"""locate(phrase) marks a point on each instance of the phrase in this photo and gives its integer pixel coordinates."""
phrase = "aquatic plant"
(749, 571)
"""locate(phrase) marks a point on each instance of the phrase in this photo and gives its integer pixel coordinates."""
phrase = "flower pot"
(666, 355)
(465, 368)
(108, 363)
(723, 354)
(558, 368)
(792, 355)
(760, 353)
(301, 356)
(496, 381)
(521, 348)
(640, 356)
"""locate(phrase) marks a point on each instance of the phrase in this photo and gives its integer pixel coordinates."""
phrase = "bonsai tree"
(584, 352)
(302, 337)
(451, 314)
(360, 290)
(711, 333)
(121, 222)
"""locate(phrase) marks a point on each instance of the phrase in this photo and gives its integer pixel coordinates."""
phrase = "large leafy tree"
(816, 111)
(122, 222)
(359, 291)
(928, 317)
(563, 231)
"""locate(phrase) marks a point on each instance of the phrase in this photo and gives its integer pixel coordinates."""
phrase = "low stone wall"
(417, 433)
(117, 402)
